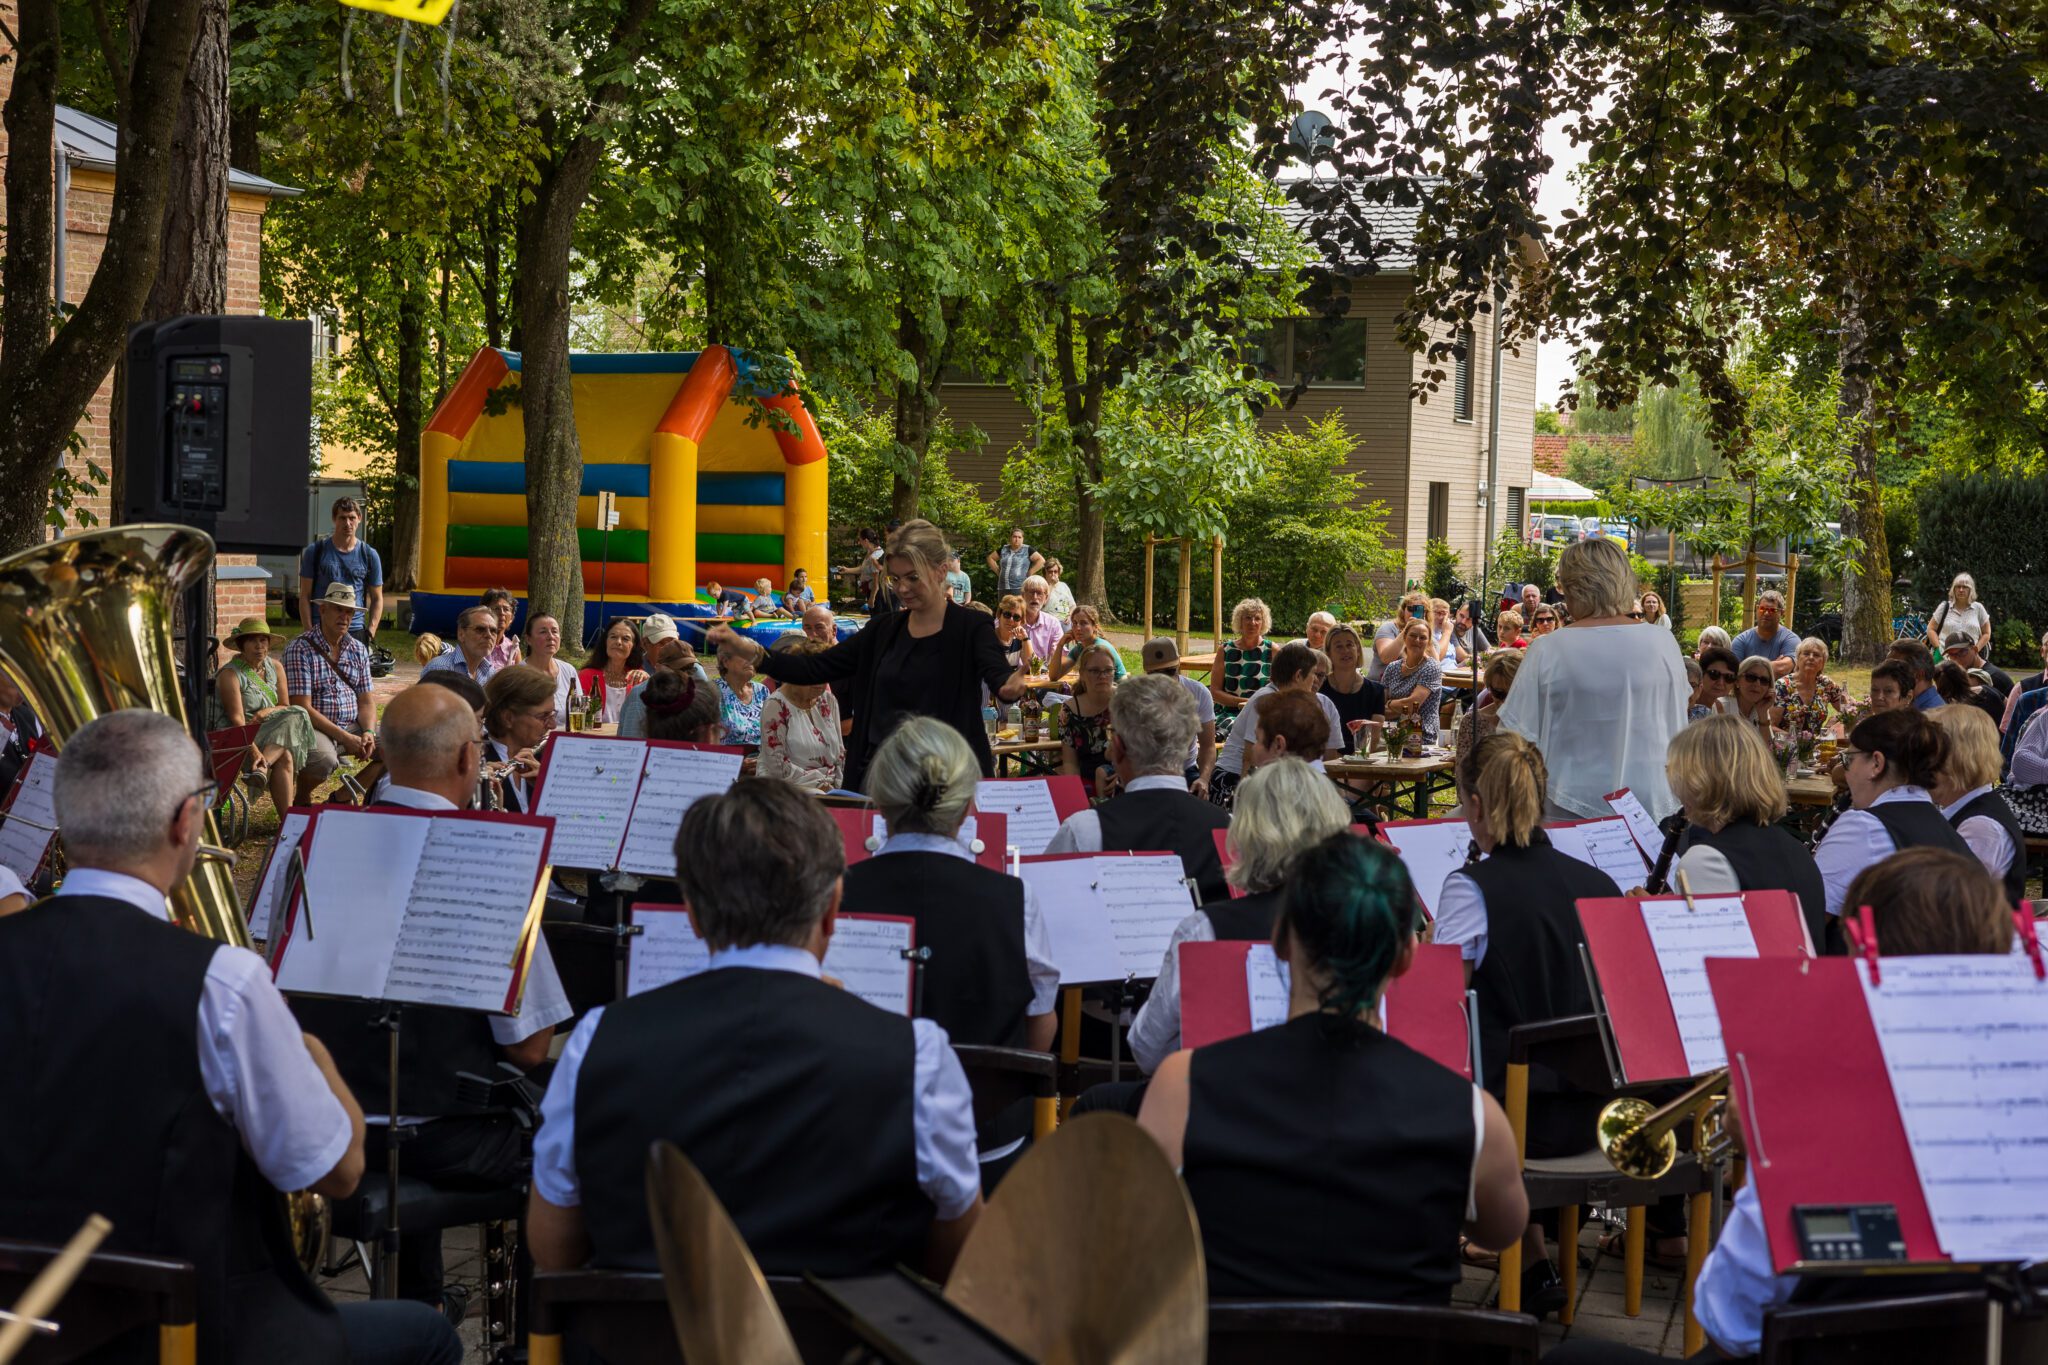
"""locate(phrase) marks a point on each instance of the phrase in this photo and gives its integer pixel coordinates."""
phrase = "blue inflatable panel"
(740, 490)
(509, 476)
(436, 612)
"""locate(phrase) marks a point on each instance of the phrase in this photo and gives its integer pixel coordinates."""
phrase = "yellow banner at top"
(417, 11)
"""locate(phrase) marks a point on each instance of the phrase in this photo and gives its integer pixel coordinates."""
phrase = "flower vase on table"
(1399, 735)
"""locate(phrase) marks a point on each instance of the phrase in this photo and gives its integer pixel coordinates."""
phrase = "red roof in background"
(1550, 450)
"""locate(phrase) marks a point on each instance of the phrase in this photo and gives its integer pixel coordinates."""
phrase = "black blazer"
(969, 655)
(14, 756)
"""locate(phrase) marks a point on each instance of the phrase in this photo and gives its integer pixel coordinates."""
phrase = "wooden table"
(1811, 791)
(1461, 679)
(1031, 757)
(1422, 773)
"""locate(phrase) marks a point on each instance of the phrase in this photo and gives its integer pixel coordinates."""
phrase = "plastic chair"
(622, 1318)
(113, 1296)
(1254, 1332)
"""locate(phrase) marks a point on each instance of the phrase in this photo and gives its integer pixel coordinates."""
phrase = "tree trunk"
(401, 571)
(493, 262)
(914, 409)
(46, 381)
(1866, 593)
(1082, 397)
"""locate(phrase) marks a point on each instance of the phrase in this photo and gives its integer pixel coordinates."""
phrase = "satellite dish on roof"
(1313, 135)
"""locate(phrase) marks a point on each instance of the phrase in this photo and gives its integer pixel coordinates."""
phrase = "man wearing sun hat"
(327, 671)
(1163, 656)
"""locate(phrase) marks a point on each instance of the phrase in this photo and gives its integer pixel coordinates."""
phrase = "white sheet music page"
(22, 845)
(360, 866)
(460, 938)
(1265, 982)
(589, 790)
(674, 780)
(866, 953)
(1605, 844)
(267, 891)
(1642, 826)
(1028, 804)
(1431, 853)
(1683, 941)
(666, 949)
(1145, 898)
(1962, 1042)
(1084, 945)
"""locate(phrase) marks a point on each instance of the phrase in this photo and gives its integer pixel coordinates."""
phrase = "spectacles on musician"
(206, 794)
(544, 714)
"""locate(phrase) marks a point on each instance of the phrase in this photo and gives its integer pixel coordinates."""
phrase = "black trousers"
(462, 1153)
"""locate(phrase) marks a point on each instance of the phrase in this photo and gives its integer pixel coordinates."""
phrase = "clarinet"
(1673, 827)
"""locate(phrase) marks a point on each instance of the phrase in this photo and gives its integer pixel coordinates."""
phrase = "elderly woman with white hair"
(1283, 809)
(1600, 698)
(1805, 696)
(1961, 611)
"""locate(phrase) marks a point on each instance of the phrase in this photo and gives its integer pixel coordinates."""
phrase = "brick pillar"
(237, 592)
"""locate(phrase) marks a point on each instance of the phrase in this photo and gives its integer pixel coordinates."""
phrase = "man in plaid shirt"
(327, 671)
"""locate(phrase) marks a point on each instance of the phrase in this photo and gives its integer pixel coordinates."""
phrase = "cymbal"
(717, 1296)
(1089, 1253)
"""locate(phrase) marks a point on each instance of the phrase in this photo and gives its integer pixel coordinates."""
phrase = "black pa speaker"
(219, 430)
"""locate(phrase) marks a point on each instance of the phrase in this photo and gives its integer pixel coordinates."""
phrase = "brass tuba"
(85, 629)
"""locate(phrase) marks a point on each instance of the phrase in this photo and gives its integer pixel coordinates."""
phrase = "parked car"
(1555, 530)
(1596, 529)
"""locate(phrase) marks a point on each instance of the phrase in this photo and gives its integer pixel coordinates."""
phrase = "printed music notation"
(1642, 826)
(867, 954)
(1266, 982)
(1605, 844)
(1084, 946)
(1431, 851)
(666, 948)
(459, 938)
(589, 788)
(1961, 1038)
(1146, 897)
(23, 846)
(1028, 804)
(289, 832)
(1683, 941)
(673, 781)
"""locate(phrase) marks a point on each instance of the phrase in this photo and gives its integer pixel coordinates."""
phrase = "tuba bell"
(85, 629)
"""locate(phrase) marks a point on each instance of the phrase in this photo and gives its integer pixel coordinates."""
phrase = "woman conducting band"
(1283, 809)
(1890, 761)
(1734, 797)
(1514, 918)
(932, 658)
(1324, 1158)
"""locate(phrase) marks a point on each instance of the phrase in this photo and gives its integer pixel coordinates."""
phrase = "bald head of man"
(820, 625)
(429, 740)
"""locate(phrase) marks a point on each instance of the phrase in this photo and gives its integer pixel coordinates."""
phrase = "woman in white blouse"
(1962, 611)
(1602, 697)
(800, 739)
(544, 652)
(1891, 761)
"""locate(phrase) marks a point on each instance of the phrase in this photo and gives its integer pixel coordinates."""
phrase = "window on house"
(1330, 350)
(1518, 508)
(1268, 354)
(1461, 393)
(1439, 511)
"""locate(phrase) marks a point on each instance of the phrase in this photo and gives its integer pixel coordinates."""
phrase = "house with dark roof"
(1426, 460)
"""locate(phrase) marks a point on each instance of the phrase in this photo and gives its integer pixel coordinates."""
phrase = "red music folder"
(1036, 806)
(857, 824)
(1636, 987)
(1424, 1007)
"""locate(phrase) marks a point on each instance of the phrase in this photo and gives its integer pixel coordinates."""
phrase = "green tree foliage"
(1439, 568)
(863, 469)
(2011, 569)
(1547, 423)
(1180, 443)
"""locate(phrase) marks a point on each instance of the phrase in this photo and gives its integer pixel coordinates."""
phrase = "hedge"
(1996, 530)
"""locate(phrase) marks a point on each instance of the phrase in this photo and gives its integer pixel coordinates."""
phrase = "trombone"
(1640, 1140)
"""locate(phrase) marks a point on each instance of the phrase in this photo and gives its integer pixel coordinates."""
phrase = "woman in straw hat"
(250, 687)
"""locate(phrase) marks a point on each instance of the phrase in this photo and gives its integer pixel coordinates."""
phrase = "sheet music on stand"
(617, 803)
(1431, 850)
(1642, 826)
(1962, 1042)
(673, 780)
(1683, 939)
(867, 954)
(1606, 844)
(416, 907)
(24, 847)
(1109, 915)
(1032, 806)
(1267, 982)
(270, 885)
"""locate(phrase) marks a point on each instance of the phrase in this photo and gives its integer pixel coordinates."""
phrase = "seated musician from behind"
(681, 706)
(1513, 916)
(838, 1136)
(1922, 901)
(991, 978)
(1734, 796)
(1290, 725)
(154, 1076)
(1967, 790)
(1283, 810)
(1153, 722)
(1325, 1159)
(430, 743)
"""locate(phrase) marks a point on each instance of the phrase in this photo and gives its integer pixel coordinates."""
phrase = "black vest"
(1248, 918)
(1173, 820)
(1992, 807)
(1766, 858)
(433, 1045)
(976, 983)
(106, 1112)
(1918, 824)
(1322, 1169)
(1532, 972)
(791, 1096)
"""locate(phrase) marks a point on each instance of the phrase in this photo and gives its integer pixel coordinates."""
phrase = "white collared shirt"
(1155, 1033)
(1855, 841)
(942, 1106)
(1081, 832)
(545, 1003)
(1045, 976)
(1985, 836)
(252, 1054)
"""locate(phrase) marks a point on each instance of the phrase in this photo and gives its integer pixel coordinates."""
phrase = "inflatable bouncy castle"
(703, 493)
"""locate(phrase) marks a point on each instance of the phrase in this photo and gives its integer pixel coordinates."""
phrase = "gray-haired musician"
(156, 1077)
(838, 1136)
(432, 744)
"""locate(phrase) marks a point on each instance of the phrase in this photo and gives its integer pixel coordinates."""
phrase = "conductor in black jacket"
(19, 727)
(932, 658)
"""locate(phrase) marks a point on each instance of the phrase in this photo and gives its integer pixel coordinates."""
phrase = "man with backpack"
(343, 557)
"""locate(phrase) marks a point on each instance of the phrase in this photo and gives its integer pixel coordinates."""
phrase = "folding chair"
(229, 753)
